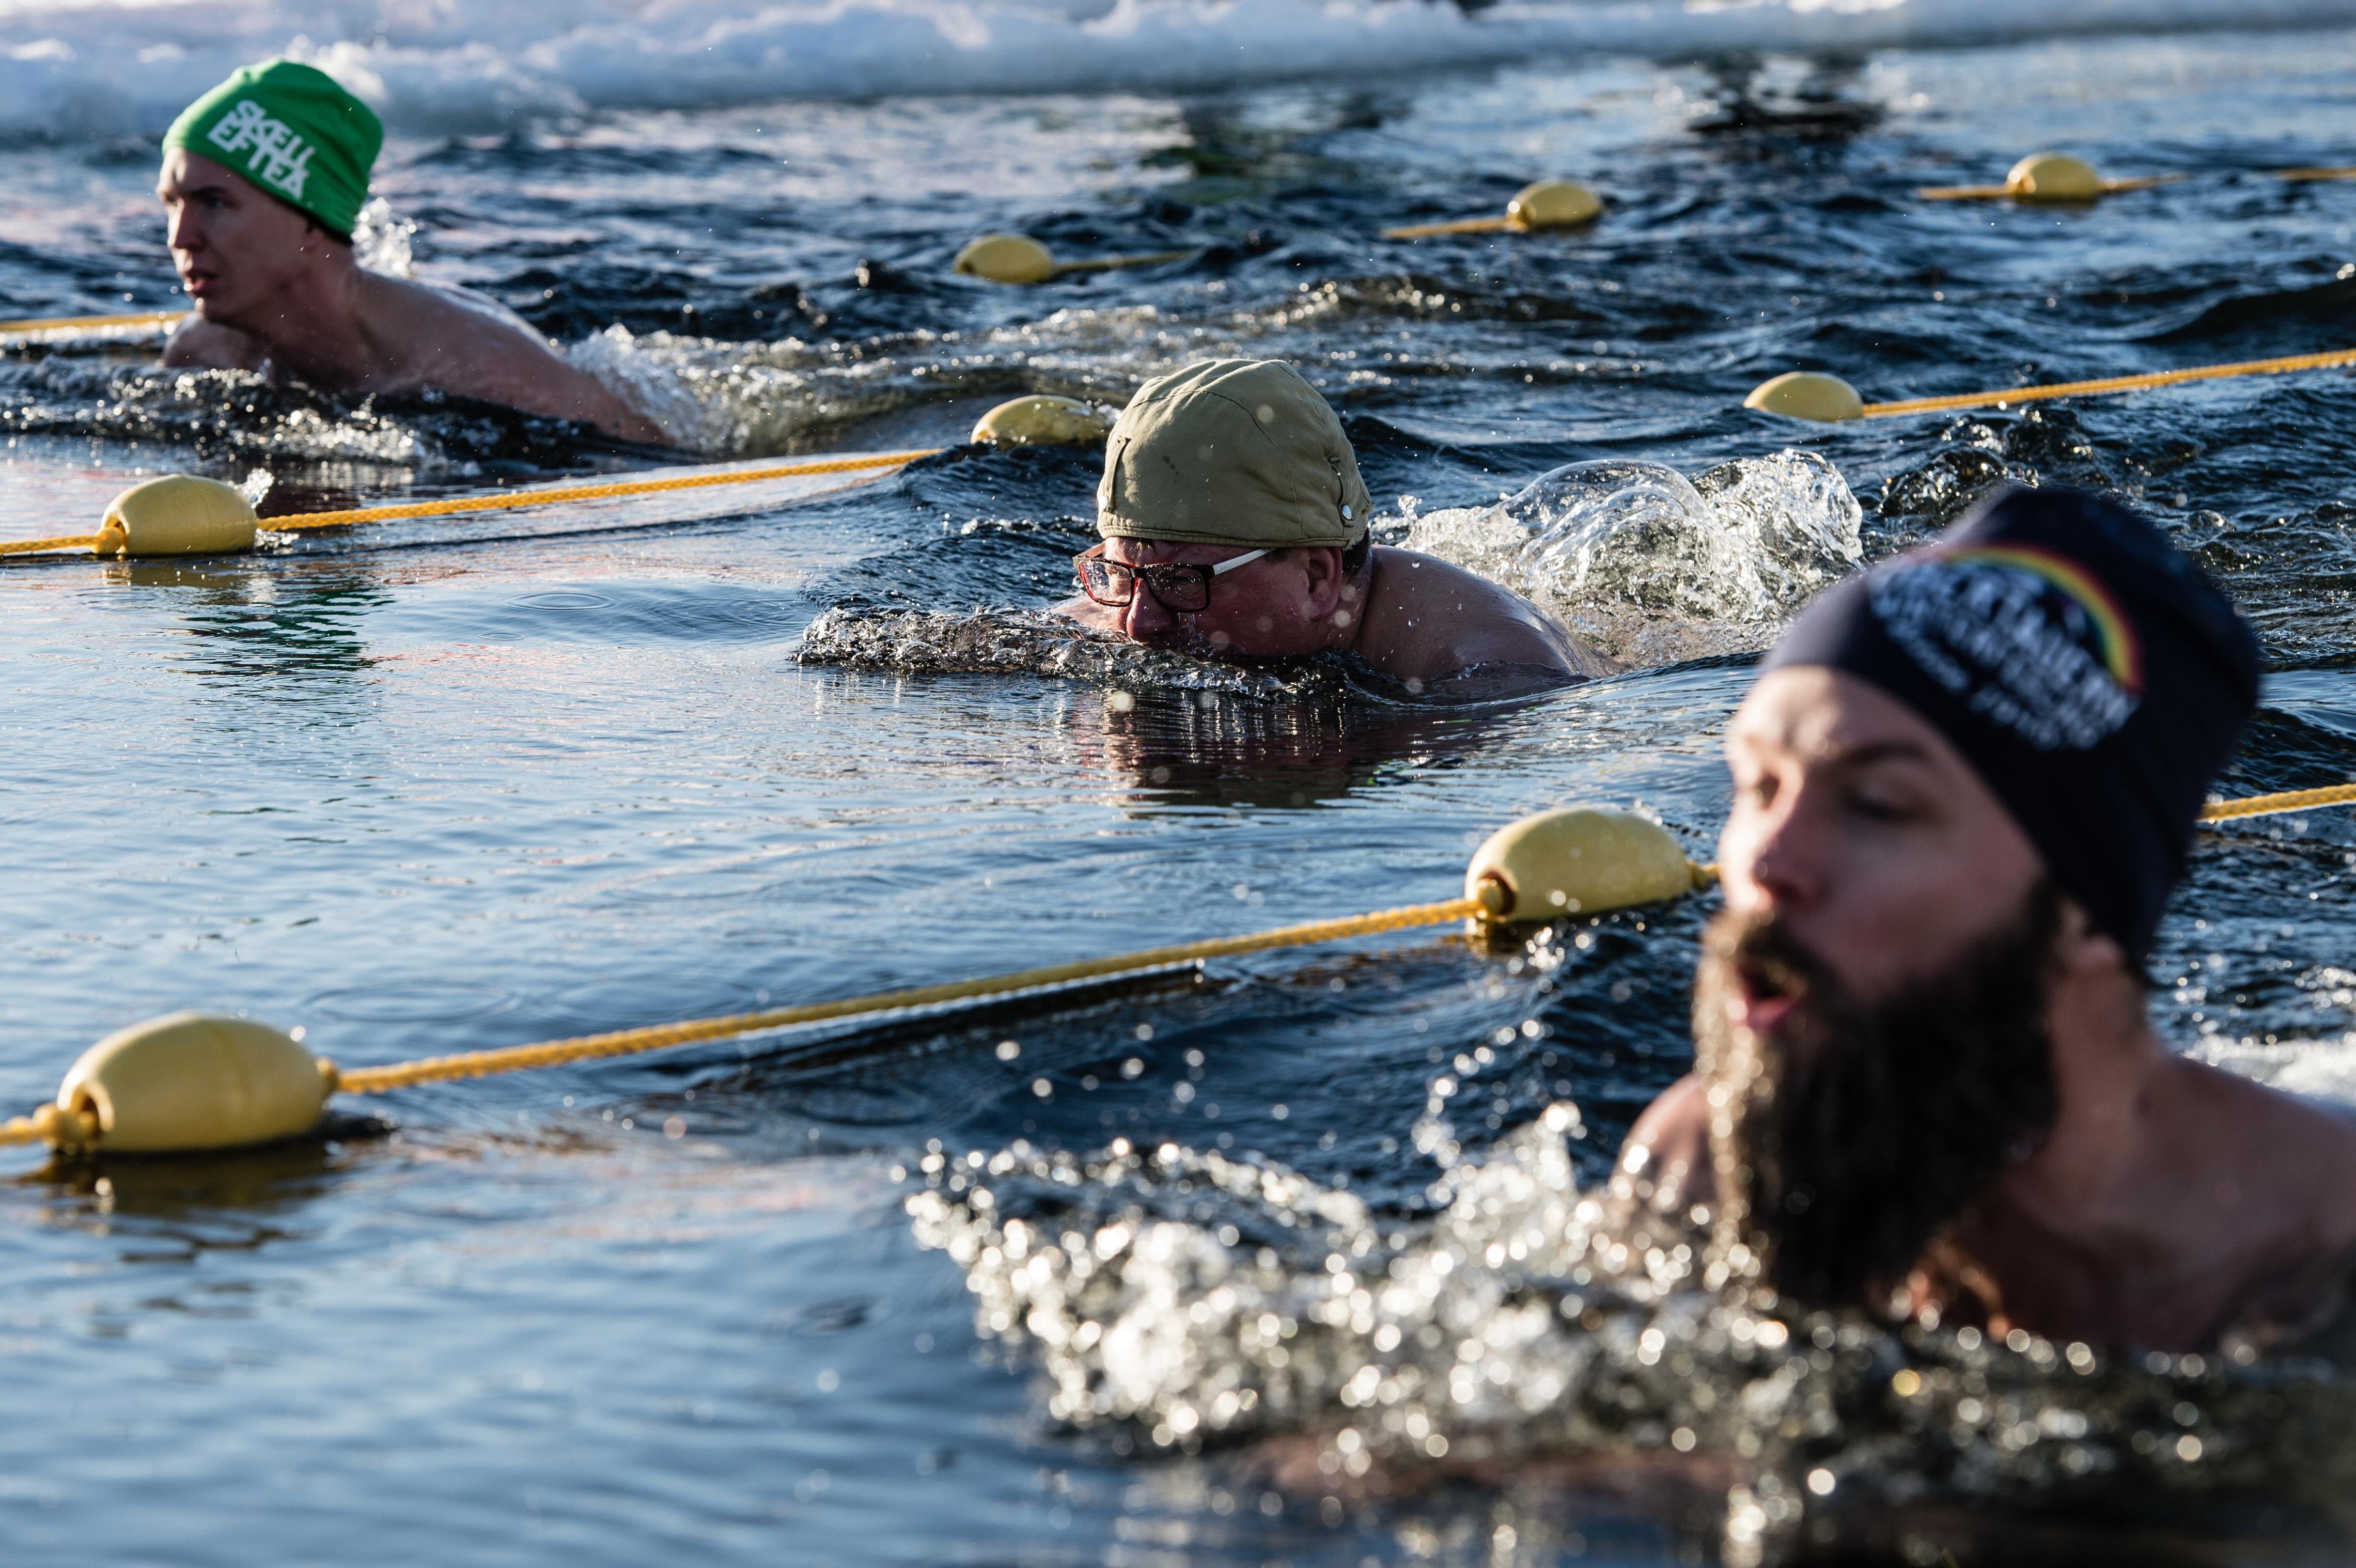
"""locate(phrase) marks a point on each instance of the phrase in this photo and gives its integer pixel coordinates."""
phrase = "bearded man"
(1927, 1078)
(263, 178)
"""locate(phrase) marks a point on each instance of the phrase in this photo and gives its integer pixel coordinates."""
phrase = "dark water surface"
(429, 790)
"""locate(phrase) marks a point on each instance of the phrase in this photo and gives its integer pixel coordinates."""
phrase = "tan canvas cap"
(1232, 451)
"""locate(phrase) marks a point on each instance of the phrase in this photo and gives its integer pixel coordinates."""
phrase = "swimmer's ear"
(1322, 565)
(2080, 947)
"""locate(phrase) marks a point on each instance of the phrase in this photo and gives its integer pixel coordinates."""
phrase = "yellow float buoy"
(194, 1080)
(1807, 395)
(1019, 259)
(2054, 179)
(1543, 203)
(2053, 176)
(177, 514)
(1042, 421)
(1579, 860)
(1553, 204)
(1006, 258)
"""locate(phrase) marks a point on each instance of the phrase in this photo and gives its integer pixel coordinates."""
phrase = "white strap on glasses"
(1244, 559)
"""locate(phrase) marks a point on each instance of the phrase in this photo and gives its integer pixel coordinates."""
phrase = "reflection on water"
(241, 1198)
(1210, 749)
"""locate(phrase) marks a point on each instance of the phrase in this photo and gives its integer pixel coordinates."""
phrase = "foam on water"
(115, 67)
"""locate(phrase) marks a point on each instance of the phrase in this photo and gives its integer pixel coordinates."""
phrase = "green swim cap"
(291, 130)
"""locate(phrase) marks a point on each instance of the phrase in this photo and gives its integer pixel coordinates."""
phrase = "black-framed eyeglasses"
(1182, 589)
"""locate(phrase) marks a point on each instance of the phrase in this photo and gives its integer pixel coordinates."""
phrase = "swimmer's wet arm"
(473, 355)
(525, 375)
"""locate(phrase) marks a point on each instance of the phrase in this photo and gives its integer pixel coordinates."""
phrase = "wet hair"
(1850, 1137)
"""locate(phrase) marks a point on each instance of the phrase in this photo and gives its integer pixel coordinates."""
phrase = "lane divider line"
(192, 1082)
(493, 502)
(1824, 398)
(91, 323)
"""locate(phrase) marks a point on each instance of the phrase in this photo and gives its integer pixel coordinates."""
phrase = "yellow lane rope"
(2329, 360)
(22, 1130)
(298, 522)
(76, 1129)
(73, 323)
(2343, 173)
(655, 1037)
(1999, 192)
(1113, 263)
(47, 546)
(2273, 805)
(494, 503)
(1492, 225)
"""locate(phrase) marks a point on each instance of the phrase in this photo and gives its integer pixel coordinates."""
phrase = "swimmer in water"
(263, 179)
(1235, 528)
(1928, 1083)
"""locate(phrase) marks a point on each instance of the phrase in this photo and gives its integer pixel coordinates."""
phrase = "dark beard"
(1849, 1137)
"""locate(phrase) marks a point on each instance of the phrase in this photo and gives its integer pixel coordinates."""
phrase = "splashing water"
(1653, 567)
(1191, 1301)
(1030, 642)
(1013, 641)
(382, 239)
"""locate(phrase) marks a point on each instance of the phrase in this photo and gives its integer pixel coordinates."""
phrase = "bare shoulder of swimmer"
(1667, 1151)
(200, 345)
(477, 349)
(1430, 618)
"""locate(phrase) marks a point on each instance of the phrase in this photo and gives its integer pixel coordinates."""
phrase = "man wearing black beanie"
(1926, 1079)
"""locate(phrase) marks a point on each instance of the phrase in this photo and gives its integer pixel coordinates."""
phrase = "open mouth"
(1770, 993)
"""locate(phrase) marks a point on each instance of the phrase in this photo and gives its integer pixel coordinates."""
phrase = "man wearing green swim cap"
(1235, 527)
(262, 180)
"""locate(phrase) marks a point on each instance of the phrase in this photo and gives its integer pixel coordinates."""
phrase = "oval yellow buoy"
(177, 514)
(1579, 860)
(195, 1080)
(1006, 258)
(2053, 176)
(1042, 421)
(1553, 204)
(1807, 395)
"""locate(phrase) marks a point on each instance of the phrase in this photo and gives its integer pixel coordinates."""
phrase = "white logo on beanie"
(280, 158)
(2015, 639)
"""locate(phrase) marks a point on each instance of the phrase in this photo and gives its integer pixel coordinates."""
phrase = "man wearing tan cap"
(1235, 527)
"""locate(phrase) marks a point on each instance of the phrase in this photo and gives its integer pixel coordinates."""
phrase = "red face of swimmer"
(1865, 833)
(1288, 603)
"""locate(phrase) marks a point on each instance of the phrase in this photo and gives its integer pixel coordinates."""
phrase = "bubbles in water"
(1654, 567)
